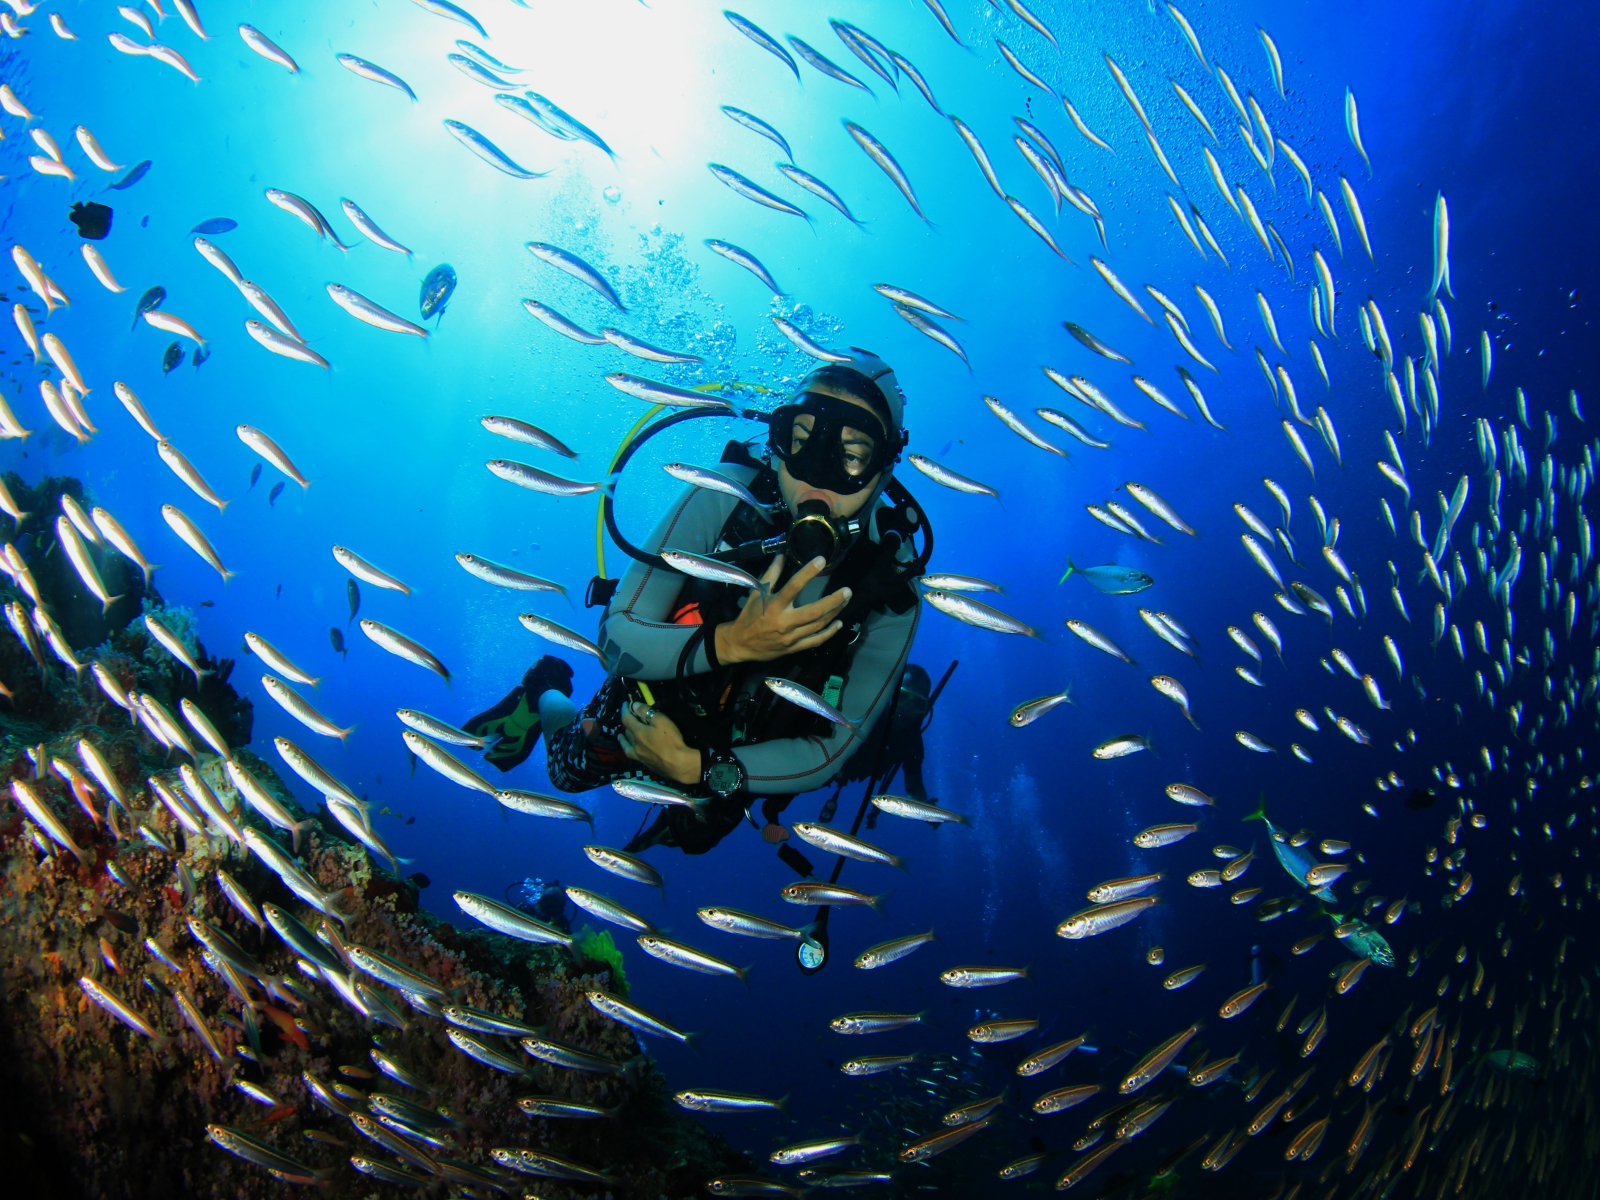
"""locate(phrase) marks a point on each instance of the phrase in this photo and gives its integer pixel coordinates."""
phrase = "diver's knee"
(556, 712)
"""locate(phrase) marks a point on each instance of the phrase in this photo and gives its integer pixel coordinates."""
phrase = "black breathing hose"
(895, 490)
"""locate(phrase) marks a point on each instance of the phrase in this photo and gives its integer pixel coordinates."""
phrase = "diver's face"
(858, 447)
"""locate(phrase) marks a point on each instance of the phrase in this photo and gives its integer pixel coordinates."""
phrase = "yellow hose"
(600, 516)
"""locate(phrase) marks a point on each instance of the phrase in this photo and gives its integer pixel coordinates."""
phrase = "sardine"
(742, 258)
(879, 154)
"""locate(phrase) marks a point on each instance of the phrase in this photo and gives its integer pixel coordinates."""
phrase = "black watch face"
(723, 777)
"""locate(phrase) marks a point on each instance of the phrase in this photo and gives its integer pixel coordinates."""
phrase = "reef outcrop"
(92, 1105)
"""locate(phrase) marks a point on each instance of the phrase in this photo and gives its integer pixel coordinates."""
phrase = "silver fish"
(687, 957)
(1061, 421)
(433, 727)
(756, 125)
(531, 435)
(534, 805)
(313, 773)
(277, 660)
(537, 480)
(185, 470)
(979, 154)
(372, 313)
(271, 451)
(1095, 344)
(295, 206)
(1026, 216)
(266, 48)
(375, 73)
(975, 612)
(646, 791)
(826, 66)
(909, 299)
(733, 920)
(298, 708)
(43, 816)
(805, 698)
(1121, 747)
(662, 393)
(558, 634)
(447, 764)
(488, 151)
(398, 644)
(1160, 507)
(1178, 694)
(634, 1017)
(510, 921)
(642, 349)
(831, 841)
(746, 260)
(1098, 640)
(568, 125)
(714, 481)
(561, 325)
(806, 344)
(957, 583)
(885, 953)
(366, 572)
(265, 803)
(369, 228)
(607, 909)
(625, 865)
(817, 188)
(1030, 711)
(506, 577)
(753, 191)
(929, 328)
(284, 347)
(879, 154)
(1262, 558)
(1103, 918)
(916, 810)
(951, 479)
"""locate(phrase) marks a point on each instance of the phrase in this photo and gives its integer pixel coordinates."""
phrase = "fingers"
(773, 571)
(801, 577)
(816, 639)
(763, 594)
(822, 609)
(801, 629)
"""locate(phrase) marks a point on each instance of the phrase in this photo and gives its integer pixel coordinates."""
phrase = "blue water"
(1486, 105)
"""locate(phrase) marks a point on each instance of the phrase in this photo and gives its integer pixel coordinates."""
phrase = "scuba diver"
(830, 537)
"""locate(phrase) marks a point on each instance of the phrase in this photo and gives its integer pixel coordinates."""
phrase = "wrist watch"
(724, 774)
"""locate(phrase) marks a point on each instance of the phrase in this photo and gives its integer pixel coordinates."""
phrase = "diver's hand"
(657, 744)
(769, 625)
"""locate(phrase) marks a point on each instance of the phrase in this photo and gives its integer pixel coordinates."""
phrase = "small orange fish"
(277, 1114)
(286, 1026)
(110, 955)
(85, 800)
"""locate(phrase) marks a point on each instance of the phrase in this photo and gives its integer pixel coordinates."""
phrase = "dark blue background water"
(1491, 104)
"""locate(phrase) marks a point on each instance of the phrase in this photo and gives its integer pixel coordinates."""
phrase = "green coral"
(595, 945)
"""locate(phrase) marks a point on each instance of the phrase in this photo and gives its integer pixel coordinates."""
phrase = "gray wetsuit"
(641, 642)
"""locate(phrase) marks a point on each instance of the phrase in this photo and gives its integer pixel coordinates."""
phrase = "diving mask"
(830, 443)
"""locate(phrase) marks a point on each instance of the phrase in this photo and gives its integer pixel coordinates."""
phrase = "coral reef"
(91, 1106)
